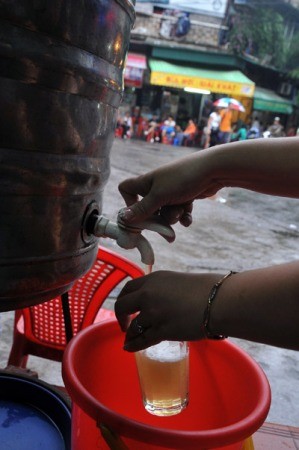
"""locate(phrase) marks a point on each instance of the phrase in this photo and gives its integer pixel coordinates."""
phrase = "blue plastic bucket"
(33, 415)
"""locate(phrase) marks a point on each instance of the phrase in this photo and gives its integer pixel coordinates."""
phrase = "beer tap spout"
(127, 238)
(146, 251)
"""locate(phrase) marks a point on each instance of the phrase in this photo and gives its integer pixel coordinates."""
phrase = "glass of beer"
(163, 371)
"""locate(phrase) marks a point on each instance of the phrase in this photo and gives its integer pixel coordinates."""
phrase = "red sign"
(134, 69)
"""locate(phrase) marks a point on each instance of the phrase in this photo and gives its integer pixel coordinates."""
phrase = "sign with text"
(217, 86)
(133, 76)
(215, 8)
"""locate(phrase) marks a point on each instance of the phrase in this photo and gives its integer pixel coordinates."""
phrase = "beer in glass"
(163, 371)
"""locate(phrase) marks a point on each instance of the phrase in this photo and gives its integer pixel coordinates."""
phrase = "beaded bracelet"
(206, 319)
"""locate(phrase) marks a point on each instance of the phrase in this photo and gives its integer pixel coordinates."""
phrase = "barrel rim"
(128, 5)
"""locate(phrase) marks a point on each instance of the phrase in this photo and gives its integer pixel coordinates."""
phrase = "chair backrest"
(45, 322)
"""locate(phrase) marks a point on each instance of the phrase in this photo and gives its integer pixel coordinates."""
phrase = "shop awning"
(266, 100)
(135, 66)
(228, 82)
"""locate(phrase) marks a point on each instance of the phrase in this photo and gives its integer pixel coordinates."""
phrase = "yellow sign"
(216, 86)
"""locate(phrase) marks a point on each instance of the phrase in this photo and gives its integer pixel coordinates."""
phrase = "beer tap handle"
(154, 223)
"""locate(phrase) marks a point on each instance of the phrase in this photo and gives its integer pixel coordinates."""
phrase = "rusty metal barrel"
(61, 82)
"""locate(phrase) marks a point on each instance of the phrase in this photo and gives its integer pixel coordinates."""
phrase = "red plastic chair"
(40, 330)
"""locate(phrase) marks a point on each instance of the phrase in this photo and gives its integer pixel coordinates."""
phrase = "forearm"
(260, 305)
(269, 166)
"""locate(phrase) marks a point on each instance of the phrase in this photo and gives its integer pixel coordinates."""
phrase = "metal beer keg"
(61, 82)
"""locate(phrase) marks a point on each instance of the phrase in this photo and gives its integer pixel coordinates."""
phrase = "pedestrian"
(276, 129)
(127, 126)
(256, 123)
(260, 305)
(225, 128)
(291, 131)
(253, 132)
(239, 131)
(153, 132)
(255, 129)
(188, 134)
(212, 129)
(168, 130)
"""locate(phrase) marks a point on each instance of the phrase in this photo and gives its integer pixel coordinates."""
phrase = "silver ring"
(139, 328)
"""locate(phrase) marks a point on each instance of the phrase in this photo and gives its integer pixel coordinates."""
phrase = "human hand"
(170, 306)
(169, 190)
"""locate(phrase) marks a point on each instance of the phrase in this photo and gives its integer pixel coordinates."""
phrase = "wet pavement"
(239, 231)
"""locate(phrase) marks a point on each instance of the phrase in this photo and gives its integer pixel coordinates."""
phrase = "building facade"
(186, 64)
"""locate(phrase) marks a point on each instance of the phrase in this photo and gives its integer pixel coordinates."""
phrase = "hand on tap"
(170, 191)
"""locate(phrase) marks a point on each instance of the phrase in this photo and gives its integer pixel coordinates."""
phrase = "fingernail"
(126, 214)
(186, 219)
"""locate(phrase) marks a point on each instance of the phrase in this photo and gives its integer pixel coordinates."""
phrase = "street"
(244, 230)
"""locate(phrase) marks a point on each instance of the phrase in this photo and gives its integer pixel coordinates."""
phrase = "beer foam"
(166, 351)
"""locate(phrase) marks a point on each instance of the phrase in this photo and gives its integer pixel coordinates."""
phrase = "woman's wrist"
(208, 171)
(208, 313)
(222, 165)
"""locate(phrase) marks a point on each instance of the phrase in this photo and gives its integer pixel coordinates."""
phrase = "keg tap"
(130, 236)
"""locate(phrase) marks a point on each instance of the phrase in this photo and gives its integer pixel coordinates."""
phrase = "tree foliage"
(292, 57)
(259, 33)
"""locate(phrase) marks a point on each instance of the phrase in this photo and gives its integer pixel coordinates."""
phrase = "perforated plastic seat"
(40, 330)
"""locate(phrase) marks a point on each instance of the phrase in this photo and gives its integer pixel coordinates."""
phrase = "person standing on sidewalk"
(212, 129)
(276, 129)
(127, 126)
(225, 128)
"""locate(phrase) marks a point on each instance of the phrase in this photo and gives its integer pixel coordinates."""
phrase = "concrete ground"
(241, 231)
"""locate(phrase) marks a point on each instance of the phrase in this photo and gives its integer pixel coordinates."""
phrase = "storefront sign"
(217, 86)
(133, 77)
(135, 66)
(215, 8)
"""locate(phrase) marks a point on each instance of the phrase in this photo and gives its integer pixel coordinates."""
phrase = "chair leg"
(18, 356)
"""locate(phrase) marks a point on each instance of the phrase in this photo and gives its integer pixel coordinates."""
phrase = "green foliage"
(259, 33)
(294, 74)
(292, 57)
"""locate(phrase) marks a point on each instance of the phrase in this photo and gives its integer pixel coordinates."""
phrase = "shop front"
(267, 104)
(189, 92)
(134, 74)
